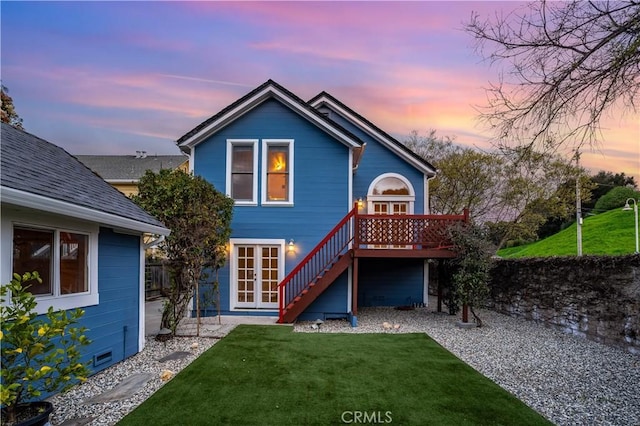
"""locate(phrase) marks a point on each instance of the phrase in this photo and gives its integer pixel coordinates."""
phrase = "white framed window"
(63, 252)
(242, 171)
(277, 172)
(391, 188)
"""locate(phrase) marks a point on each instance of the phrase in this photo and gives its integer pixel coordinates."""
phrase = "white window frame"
(56, 224)
(233, 265)
(391, 198)
(246, 142)
(265, 145)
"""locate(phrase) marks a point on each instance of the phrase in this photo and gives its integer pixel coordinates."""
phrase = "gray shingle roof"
(129, 167)
(33, 165)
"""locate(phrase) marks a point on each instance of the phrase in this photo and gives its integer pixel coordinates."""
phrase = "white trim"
(263, 173)
(39, 202)
(350, 171)
(383, 139)
(30, 219)
(425, 284)
(254, 145)
(142, 305)
(117, 181)
(391, 198)
(233, 287)
(270, 91)
(349, 287)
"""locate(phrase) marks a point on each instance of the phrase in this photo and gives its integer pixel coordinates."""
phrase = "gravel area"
(70, 409)
(569, 380)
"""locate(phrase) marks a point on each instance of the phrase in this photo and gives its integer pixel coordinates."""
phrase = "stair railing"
(336, 243)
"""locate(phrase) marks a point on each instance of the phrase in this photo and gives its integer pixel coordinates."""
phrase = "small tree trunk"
(465, 312)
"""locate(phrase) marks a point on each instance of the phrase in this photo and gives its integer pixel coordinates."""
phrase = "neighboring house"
(81, 235)
(124, 171)
(299, 248)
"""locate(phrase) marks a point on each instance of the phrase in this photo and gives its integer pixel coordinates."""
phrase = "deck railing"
(334, 245)
(412, 232)
(405, 231)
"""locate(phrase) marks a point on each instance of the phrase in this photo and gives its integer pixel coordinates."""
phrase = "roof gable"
(44, 175)
(268, 90)
(325, 99)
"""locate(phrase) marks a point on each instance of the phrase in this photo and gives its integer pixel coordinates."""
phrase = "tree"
(616, 198)
(199, 217)
(513, 190)
(8, 113)
(567, 64)
(534, 190)
(467, 178)
(603, 182)
(471, 266)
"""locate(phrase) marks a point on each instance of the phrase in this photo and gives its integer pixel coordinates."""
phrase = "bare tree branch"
(564, 65)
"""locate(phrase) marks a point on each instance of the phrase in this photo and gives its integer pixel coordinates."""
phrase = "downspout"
(427, 206)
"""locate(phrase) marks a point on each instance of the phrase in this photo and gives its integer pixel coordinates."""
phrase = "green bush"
(40, 353)
(615, 198)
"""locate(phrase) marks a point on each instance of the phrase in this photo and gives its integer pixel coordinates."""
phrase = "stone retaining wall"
(597, 297)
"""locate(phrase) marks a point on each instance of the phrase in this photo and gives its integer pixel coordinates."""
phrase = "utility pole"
(578, 204)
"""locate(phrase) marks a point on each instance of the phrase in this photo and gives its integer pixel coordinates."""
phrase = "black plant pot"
(33, 413)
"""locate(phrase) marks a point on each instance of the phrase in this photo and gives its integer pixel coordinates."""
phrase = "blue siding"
(390, 282)
(378, 159)
(321, 176)
(332, 303)
(114, 323)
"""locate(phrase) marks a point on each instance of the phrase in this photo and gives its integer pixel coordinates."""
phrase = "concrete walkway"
(209, 326)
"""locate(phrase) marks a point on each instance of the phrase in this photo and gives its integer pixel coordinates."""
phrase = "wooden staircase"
(357, 235)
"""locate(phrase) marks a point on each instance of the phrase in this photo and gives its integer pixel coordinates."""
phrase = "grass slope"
(609, 233)
(268, 375)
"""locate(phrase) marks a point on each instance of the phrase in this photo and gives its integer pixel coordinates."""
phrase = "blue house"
(331, 213)
(83, 236)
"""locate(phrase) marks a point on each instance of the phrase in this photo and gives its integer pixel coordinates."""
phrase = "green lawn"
(609, 233)
(269, 375)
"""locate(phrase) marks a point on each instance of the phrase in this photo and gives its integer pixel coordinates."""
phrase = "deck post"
(465, 313)
(354, 292)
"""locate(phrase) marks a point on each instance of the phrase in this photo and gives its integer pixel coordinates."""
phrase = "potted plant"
(40, 353)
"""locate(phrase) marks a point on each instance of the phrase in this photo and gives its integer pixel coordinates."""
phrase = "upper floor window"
(277, 171)
(391, 185)
(60, 257)
(242, 164)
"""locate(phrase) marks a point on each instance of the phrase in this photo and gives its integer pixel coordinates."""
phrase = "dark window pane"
(73, 263)
(33, 251)
(242, 159)
(242, 187)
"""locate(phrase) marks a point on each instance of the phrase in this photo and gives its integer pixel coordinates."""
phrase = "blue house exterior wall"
(390, 282)
(379, 159)
(321, 184)
(114, 323)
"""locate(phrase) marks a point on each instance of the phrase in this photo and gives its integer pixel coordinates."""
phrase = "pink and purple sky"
(117, 77)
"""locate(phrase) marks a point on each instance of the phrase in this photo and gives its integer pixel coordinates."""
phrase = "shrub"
(615, 198)
(39, 353)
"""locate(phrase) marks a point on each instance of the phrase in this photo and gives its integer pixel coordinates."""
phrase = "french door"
(258, 269)
(392, 208)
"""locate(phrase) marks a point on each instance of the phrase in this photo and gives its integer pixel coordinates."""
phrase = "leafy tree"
(603, 182)
(8, 112)
(199, 217)
(566, 64)
(471, 267)
(616, 198)
(514, 190)
(467, 178)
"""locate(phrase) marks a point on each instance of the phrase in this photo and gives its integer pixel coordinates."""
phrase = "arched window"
(390, 193)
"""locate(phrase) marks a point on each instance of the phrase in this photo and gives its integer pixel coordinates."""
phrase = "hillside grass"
(609, 233)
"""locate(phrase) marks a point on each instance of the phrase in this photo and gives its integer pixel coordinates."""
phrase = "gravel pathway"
(569, 380)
